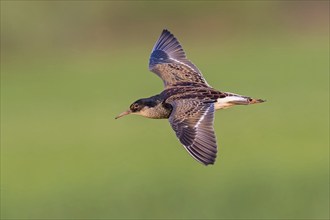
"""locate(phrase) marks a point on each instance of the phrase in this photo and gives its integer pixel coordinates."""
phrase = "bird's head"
(140, 107)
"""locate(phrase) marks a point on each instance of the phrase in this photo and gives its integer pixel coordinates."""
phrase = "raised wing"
(168, 60)
(192, 122)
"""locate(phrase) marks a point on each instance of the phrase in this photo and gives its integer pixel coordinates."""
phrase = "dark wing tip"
(205, 160)
(167, 46)
(166, 41)
(203, 152)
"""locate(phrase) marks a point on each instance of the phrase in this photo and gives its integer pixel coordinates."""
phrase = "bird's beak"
(123, 114)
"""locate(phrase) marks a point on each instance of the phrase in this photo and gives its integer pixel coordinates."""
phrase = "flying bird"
(188, 101)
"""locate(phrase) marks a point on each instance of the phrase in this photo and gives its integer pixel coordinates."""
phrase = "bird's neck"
(158, 109)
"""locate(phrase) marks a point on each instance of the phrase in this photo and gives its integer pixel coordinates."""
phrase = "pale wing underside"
(168, 60)
(192, 122)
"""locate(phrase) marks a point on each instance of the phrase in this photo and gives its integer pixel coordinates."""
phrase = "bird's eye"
(135, 105)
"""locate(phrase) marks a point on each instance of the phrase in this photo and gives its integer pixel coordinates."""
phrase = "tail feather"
(255, 101)
(234, 99)
(243, 100)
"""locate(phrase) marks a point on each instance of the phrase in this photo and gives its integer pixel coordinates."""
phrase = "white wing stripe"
(201, 118)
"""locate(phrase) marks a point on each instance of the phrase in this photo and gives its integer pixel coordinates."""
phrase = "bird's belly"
(223, 103)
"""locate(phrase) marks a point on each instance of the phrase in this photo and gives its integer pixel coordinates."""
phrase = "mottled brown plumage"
(188, 101)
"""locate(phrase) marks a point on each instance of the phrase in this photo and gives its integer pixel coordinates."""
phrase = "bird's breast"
(160, 111)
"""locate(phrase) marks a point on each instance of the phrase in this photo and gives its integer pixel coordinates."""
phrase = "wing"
(168, 60)
(192, 122)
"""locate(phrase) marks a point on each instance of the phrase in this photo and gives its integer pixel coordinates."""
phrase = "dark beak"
(123, 114)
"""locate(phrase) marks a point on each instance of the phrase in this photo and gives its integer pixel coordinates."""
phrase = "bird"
(187, 101)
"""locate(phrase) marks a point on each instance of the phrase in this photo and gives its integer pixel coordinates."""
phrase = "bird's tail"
(233, 99)
(244, 100)
(255, 101)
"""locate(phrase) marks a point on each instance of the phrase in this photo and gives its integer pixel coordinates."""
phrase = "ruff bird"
(188, 101)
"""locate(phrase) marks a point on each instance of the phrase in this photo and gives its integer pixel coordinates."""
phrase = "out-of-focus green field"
(68, 68)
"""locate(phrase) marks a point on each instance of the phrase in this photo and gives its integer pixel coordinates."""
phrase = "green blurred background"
(68, 68)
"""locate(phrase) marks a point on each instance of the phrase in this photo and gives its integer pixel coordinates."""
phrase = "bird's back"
(192, 91)
(205, 94)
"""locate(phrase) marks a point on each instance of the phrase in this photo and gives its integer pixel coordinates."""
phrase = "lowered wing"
(192, 121)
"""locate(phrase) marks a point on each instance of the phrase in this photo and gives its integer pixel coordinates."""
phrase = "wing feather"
(192, 122)
(168, 60)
